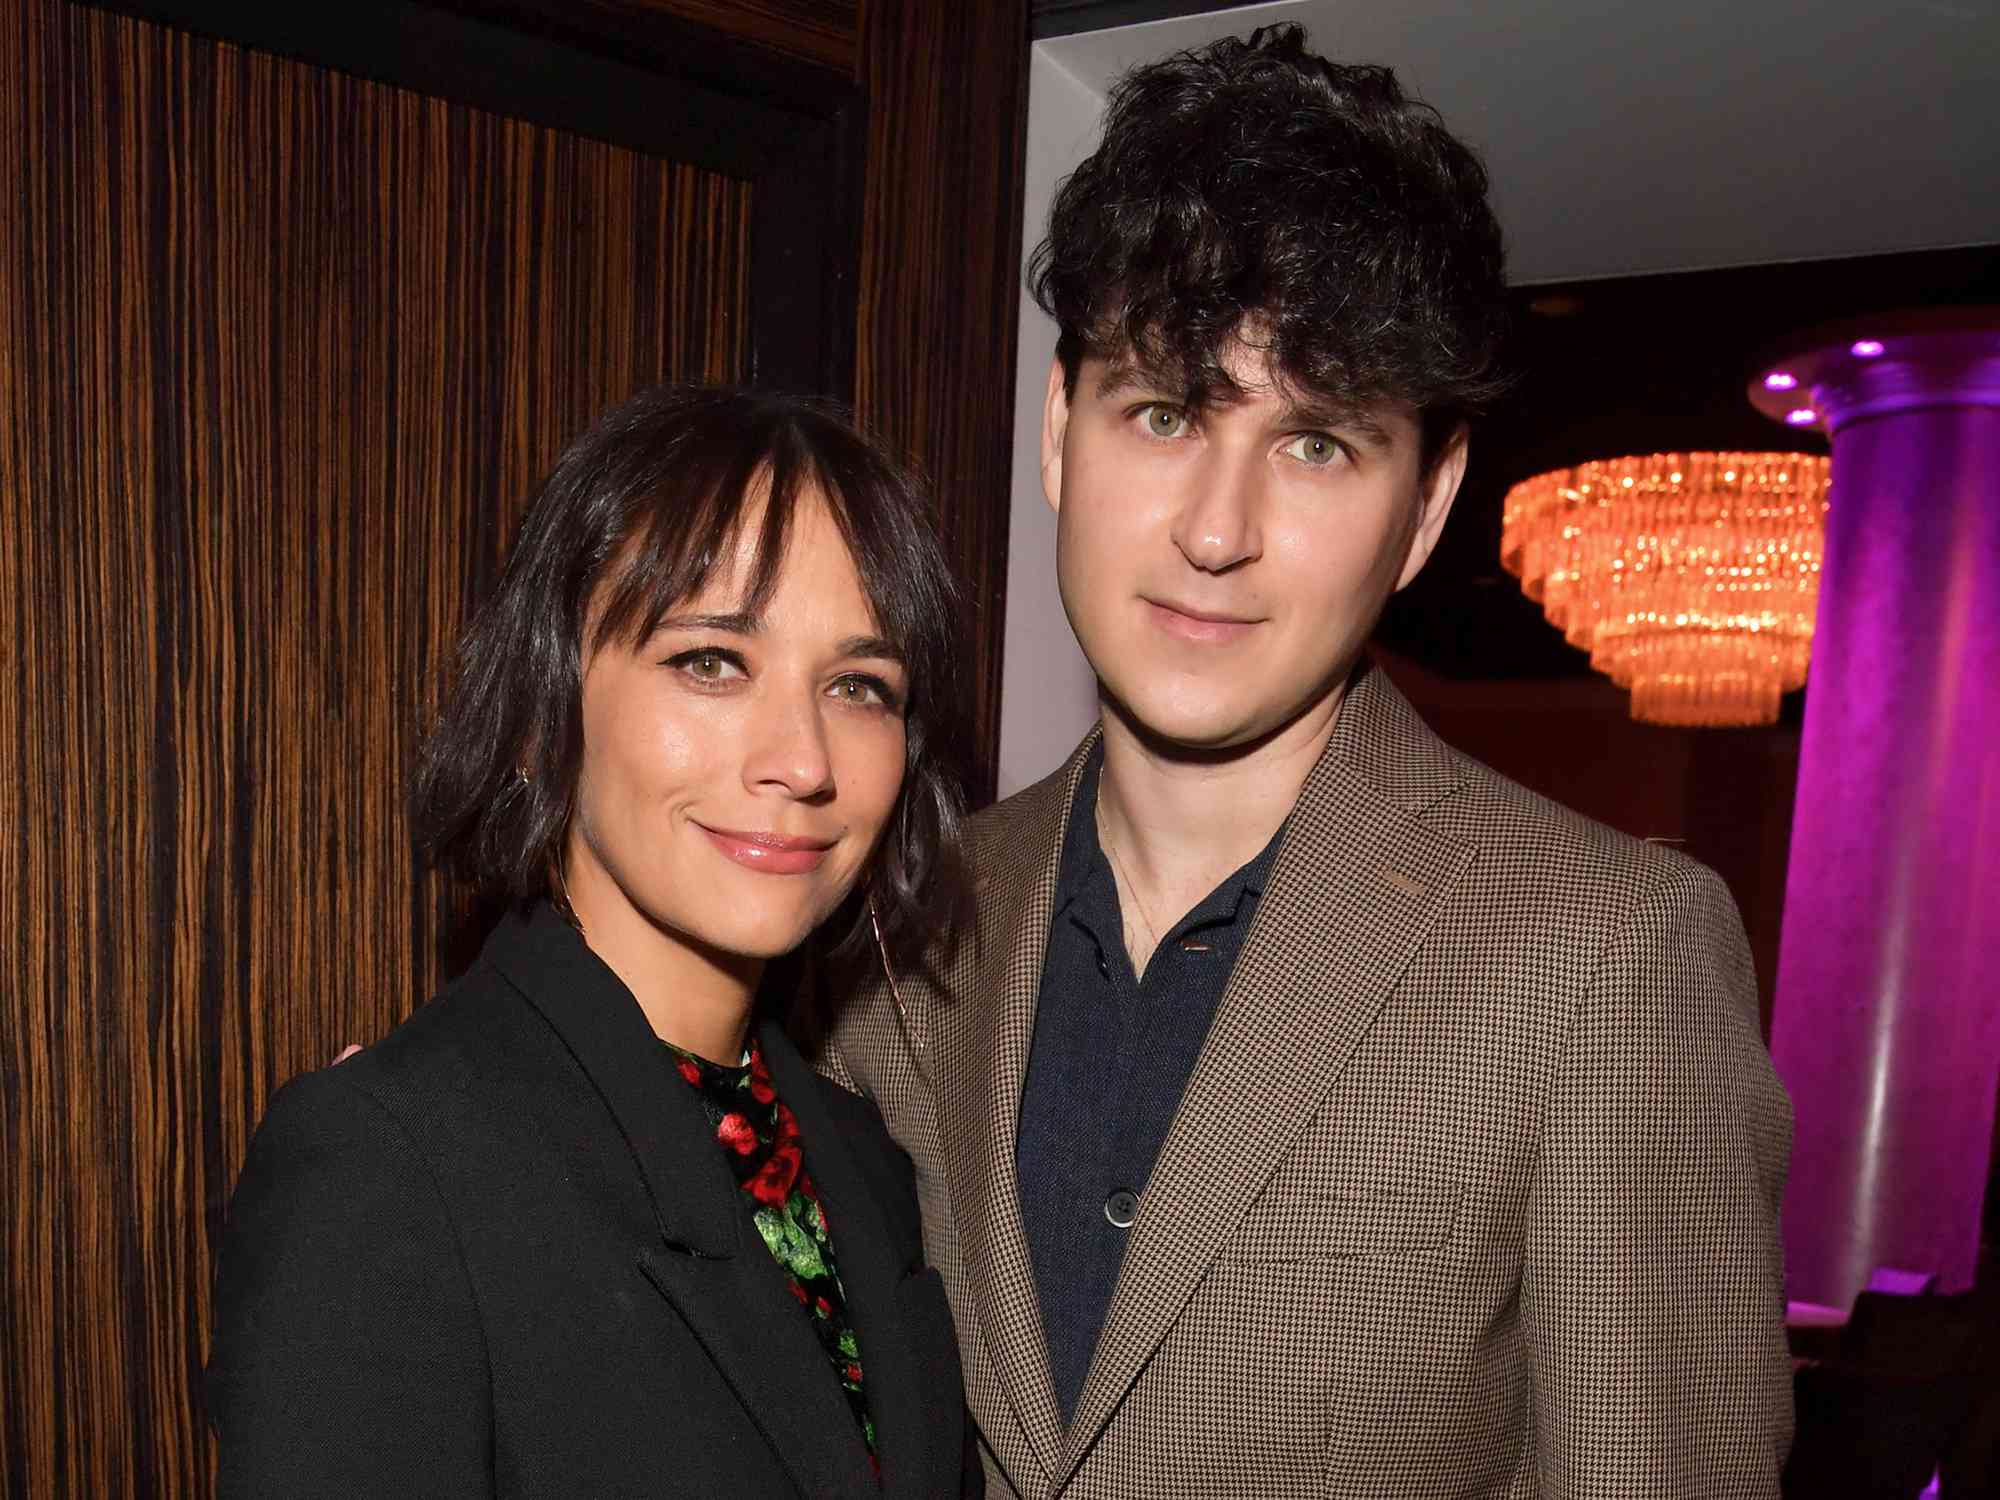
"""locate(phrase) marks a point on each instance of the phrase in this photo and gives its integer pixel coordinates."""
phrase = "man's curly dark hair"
(1254, 190)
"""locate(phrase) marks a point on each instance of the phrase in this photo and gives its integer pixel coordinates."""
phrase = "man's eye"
(1165, 421)
(1314, 449)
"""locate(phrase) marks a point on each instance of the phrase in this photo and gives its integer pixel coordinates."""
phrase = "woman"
(586, 1225)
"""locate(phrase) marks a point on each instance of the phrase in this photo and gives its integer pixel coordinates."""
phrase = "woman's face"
(738, 770)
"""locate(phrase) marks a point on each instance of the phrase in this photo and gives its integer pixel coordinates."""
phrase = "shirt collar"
(1084, 863)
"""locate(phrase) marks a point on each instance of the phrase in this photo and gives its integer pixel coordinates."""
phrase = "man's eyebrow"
(1350, 419)
(1128, 375)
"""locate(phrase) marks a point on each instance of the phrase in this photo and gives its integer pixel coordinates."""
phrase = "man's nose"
(1218, 526)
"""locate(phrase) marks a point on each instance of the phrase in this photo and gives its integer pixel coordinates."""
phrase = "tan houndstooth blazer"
(1473, 1190)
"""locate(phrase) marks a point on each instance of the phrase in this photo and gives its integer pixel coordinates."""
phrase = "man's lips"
(1189, 623)
(770, 853)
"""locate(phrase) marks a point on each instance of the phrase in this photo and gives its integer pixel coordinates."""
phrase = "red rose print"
(767, 1159)
(774, 1180)
(788, 1127)
(735, 1132)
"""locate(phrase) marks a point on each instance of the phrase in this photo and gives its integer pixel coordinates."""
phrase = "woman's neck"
(694, 996)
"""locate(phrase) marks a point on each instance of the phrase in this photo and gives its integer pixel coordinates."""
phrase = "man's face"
(1222, 567)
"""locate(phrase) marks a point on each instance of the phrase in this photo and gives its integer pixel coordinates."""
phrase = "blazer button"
(1122, 1208)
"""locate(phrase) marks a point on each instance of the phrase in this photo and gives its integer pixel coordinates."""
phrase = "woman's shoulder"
(459, 1045)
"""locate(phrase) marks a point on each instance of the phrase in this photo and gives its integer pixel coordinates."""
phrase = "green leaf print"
(790, 1245)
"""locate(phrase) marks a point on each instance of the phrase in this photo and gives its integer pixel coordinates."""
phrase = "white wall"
(1048, 697)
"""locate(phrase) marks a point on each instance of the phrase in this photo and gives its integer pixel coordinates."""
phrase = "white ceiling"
(1626, 138)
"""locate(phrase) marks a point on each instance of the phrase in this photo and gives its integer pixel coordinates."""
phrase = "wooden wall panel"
(826, 32)
(280, 354)
(947, 89)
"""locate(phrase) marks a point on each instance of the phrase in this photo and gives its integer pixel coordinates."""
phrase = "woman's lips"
(1190, 625)
(769, 853)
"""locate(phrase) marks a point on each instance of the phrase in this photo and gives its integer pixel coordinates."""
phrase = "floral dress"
(760, 1138)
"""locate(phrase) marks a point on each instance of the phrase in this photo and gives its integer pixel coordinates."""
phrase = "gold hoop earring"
(896, 998)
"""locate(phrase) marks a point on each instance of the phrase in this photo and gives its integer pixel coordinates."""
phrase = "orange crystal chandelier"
(1690, 578)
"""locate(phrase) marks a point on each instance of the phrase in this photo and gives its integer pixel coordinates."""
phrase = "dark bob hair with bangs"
(643, 507)
(1253, 190)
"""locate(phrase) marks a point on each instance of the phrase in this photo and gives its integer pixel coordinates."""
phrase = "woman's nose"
(788, 750)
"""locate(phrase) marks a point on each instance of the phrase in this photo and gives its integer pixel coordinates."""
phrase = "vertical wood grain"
(816, 31)
(940, 283)
(280, 355)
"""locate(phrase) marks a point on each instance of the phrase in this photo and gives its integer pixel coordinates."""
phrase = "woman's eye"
(1165, 421)
(707, 666)
(1314, 449)
(863, 692)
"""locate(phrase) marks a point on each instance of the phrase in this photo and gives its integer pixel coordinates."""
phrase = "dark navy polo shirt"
(1110, 1060)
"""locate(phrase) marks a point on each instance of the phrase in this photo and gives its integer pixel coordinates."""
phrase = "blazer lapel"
(1357, 883)
(981, 1049)
(706, 1259)
(869, 1275)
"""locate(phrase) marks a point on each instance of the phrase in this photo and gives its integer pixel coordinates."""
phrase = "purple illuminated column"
(1886, 1026)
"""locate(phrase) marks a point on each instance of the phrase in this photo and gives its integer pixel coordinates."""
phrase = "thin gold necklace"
(1131, 889)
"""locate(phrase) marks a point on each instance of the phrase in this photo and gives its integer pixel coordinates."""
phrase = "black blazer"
(499, 1254)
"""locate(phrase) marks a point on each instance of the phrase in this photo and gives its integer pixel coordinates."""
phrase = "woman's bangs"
(687, 529)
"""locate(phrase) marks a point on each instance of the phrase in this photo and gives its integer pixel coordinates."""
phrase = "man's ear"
(1440, 489)
(1055, 422)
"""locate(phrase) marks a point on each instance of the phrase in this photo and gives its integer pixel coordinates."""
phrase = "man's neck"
(1180, 823)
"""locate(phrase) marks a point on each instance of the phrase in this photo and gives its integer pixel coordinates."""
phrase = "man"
(1311, 1110)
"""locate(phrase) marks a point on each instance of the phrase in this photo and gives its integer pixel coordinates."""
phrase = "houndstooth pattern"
(1473, 1190)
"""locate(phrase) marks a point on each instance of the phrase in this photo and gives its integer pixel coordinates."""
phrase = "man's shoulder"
(1536, 845)
(1035, 812)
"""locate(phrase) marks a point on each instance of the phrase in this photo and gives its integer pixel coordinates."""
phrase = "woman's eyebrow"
(733, 624)
(875, 646)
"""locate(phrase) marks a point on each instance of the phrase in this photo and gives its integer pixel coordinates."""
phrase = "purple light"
(1778, 380)
(1802, 416)
(1865, 348)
